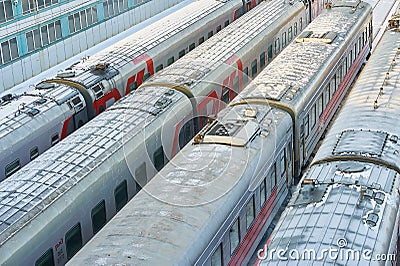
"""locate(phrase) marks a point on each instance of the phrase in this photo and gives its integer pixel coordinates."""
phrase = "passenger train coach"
(347, 203)
(213, 201)
(56, 203)
(31, 123)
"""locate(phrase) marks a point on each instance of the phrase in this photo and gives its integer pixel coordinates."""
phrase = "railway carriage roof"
(288, 78)
(195, 67)
(369, 124)
(21, 109)
(143, 41)
(33, 188)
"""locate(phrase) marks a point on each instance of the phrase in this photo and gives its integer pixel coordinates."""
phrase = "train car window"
(250, 207)
(192, 46)
(277, 46)
(219, 28)
(201, 40)
(359, 44)
(263, 192)
(225, 94)
(236, 84)
(210, 34)
(333, 86)
(295, 29)
(290, 33)
(133, 86)
(54, 139)
(301, 24)
(245, 75)
(254, 68)
(159, 67)
(34, 153)
(339, 76)
(226, 23)
(73, 240)
(350, 58)
(12, 167)
(327, 97)
(181, 53)
(355, 52)
(146, 76)
(345, 66)
(216, 259)
(273, 177)
(121, 195)
(170, 61)
(262, 60)
(158, 158)
(283, 162)
(140, 176)
(306, 126)
(313, 116)
(283, 40)
(234, 236)
(98, 216)
(46, 259)
(320, 104)
(270, 53)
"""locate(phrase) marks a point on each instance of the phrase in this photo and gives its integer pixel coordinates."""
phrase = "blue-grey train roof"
(172, 220)
(155, 35)
(291, 77)
(58, 169)
(352, 192)
(233, 40)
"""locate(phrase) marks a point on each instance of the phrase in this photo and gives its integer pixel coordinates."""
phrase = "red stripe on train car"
(114, 93)
(338, 93)
(65, 128)
(254, 231)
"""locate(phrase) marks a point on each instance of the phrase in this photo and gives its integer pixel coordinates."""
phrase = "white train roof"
(252, 27)
(372, 134)
(341, 206)
(159, 33)
(171, 220)
(289, 78)
(18, 111)
(35, 186)
(58, 169)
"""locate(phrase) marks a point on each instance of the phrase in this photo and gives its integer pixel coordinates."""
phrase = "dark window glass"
(201, 40)
(219, 28)
(254, 68)
(216, 259)
(54, 139)
(98, 216)
(159, 67)
(181, 53)
(12, 167)
(170, 61)
(158, 158)
(210, 34)
(226, 23)
(141, 176)
(34, 153)
(192, 46)
(121, 195)
(146, 76)
(234, 236)
(73, 240)
(269, 53)
(46, 259)
(250, 212)
(262, 60)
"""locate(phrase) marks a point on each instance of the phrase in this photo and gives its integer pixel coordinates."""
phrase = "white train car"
(102, 79)
(345, 210)
(211, 204)
(68, 193)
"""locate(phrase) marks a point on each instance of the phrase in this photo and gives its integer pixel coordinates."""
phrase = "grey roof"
(289, 78)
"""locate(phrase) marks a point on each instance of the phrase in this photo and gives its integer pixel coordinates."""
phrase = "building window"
(29, 6)
(8, 51)
(114, 7)
(47, 34)
(6, 11)
(82, 19)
